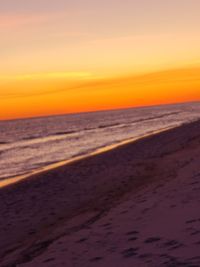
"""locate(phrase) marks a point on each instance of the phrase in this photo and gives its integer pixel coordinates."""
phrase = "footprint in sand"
(152, 240)
(130, 252)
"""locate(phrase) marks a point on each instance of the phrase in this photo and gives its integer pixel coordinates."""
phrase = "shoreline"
(18, 178)
(131, 188)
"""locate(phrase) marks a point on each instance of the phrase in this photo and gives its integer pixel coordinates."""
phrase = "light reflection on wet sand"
(47, 168)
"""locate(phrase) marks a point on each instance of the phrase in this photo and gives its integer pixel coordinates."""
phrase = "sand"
(136, 205)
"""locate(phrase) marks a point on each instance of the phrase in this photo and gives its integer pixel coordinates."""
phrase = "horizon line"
(98, 111)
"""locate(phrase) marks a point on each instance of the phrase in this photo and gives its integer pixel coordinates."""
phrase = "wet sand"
(136, 205)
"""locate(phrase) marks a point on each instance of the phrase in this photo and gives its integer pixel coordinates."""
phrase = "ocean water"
(29, 144)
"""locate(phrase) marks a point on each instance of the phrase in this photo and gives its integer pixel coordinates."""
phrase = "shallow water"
(29, 144)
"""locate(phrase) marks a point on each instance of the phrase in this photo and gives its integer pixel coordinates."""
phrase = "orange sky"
(66, 56)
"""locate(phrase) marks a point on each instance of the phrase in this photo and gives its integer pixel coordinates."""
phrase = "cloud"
(26, 85)
(80, 82)
(50, 75)
(15, 21)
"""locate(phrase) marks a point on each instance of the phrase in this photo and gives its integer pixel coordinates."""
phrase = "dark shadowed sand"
(136, 205)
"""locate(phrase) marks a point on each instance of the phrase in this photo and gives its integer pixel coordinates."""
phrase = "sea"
(30, 144)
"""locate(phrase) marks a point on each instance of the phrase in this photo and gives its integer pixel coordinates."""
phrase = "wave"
(32, 137)
(4, 142)
(65, 132)
(157, 117)
(108, 125)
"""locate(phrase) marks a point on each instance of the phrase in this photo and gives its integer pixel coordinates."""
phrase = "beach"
(135, 205)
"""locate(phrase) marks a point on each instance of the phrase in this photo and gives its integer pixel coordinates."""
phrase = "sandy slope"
(137, 205)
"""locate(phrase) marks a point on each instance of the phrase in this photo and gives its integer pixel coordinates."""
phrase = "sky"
(69, 56)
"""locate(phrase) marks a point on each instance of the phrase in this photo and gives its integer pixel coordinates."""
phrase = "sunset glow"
(73, 56)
